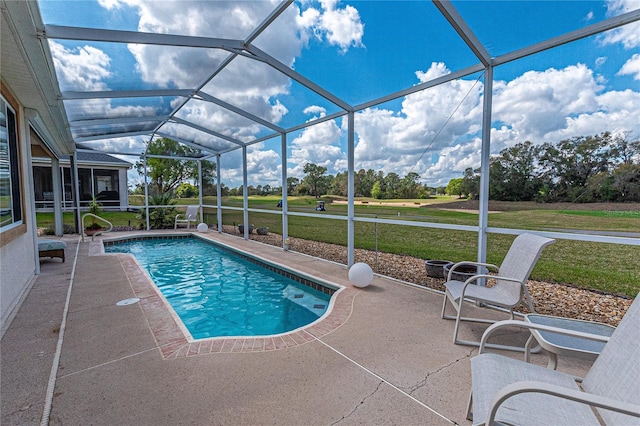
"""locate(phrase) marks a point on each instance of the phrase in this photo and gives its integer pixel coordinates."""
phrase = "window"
(10, 197)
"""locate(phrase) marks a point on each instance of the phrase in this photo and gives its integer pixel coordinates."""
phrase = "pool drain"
(130, 301)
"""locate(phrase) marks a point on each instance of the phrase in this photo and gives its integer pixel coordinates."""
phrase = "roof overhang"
(27, 73)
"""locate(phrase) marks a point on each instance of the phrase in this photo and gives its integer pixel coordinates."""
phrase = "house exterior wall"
(18, 262)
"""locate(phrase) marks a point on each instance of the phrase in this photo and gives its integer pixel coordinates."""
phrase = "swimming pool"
(218, 293)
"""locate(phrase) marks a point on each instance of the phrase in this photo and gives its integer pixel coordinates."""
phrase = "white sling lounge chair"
(191, 215)
(514, 392)
(509, 289)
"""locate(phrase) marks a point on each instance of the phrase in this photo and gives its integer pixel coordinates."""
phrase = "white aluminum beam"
(61, 32)
(279, 66)
(111, 136)
(422, 86)
(116, 94)
(186, 142)
(118, 120)
(572, 36)
(243, 113)
(208, 131)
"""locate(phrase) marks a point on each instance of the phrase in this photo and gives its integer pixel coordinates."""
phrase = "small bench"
(51, 248)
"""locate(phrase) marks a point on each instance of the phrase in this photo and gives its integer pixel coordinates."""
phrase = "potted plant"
(95, 208)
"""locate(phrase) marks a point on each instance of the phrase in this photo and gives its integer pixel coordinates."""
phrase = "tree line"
(604, 168)
(599, 168)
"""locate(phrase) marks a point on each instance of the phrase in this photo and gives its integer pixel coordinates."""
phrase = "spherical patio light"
(360, 275)
(203, 227)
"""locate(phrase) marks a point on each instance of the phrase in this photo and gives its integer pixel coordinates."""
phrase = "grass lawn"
(610, 268)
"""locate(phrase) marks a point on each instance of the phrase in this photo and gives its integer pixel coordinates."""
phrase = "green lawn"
(610, 268)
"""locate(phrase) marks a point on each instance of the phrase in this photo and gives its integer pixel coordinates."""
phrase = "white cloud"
(631, 67)
(343, 26)
(83, 68)
(628, 35)
(318, 144)
(537, 103)
(315, 110)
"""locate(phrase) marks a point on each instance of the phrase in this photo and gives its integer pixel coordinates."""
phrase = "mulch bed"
(549, 298)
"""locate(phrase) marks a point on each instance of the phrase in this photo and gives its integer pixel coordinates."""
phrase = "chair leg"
(444, 305)
(458, 318)
(469, 406)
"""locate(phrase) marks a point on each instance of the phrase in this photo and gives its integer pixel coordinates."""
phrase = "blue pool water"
(217, 293)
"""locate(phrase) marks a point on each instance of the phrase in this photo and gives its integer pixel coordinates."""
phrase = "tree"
(376, 191)
(165, 174)
(392, 186)
(339, 184)
(186, 190)
(470, 185)
(315, 179)
(568, 165)
(454, 187)
(410, 187)
(209, 177)
(292, 184)
(512, 173)
(626, 180)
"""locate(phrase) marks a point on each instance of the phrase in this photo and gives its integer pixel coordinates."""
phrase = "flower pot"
(461, 273)
(241, 229)
(92, 231)
(435, 268)
(262, 231)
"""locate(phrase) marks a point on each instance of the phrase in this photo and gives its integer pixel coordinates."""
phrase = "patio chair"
(511, 391)
(191, 215)
(508, 290)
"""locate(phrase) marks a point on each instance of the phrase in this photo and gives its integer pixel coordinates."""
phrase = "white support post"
(76, 194)
(245, 195)
(483, 217)
(57, 197)
(200, 187)
(146, 191)
(93, 187)
(218, 194)
(350, 190)
(285, 216)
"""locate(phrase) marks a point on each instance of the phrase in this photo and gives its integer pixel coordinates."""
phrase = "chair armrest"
(560, 392)
(468, 262)
(178, 215)
(530, 326)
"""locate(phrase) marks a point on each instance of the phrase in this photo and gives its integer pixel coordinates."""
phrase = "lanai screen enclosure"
(230, 79)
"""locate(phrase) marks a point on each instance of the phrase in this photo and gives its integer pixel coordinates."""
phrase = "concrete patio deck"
(383, 357)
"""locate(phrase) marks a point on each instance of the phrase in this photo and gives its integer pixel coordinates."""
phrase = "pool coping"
(173, 339)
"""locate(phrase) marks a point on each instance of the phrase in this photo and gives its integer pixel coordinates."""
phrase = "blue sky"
(362, 50)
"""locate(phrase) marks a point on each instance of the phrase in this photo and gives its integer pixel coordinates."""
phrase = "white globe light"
(360, 275)
(203, 227)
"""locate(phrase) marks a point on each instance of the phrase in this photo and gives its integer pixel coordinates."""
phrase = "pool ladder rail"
(98, 232)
